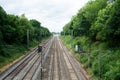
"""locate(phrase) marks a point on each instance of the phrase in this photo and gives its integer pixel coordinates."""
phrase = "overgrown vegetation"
(96, 28)
(17, 35)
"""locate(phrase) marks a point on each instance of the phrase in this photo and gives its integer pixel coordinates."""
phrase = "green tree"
(113, 25)
(99, 28)
(37, 32)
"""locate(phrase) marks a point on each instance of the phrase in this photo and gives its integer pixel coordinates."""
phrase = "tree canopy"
(98, 20)
(13, 29)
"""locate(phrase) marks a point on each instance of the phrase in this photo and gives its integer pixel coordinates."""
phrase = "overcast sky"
(53, 14)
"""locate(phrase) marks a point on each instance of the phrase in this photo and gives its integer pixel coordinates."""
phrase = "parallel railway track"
(75, 64)
(26, 67)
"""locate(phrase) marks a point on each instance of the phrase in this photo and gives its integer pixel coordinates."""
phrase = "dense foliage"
(13, 28)
(14, 31)
(96, 27)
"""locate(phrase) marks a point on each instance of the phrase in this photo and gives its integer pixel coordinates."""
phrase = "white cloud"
(53, 14)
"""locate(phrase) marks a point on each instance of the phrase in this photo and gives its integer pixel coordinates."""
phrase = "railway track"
(25, 69)
(63, 68)
(61, 65)
(75, 64)
(37, 75)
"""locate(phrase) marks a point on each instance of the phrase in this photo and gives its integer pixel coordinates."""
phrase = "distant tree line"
(13, 29)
